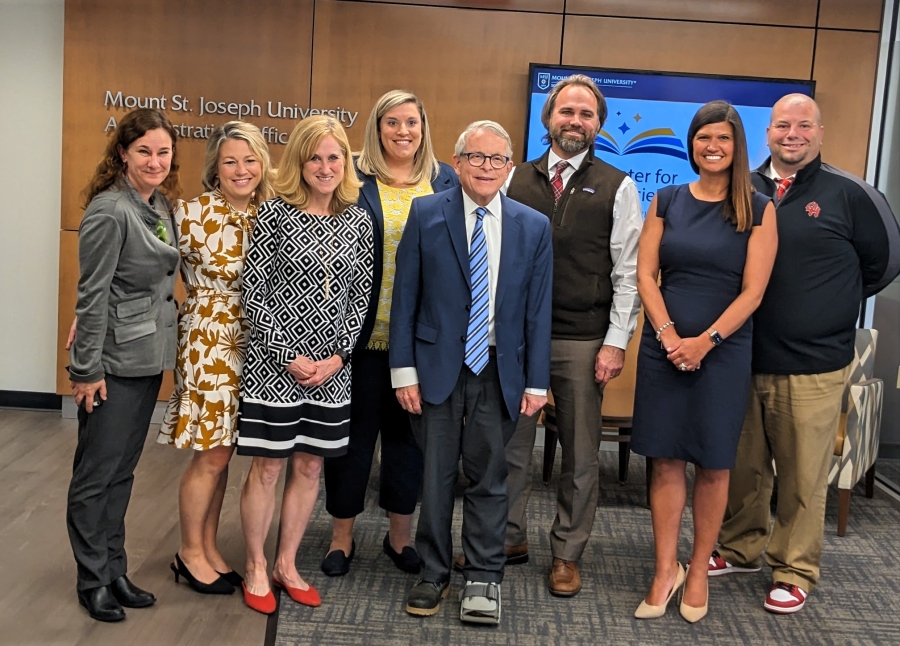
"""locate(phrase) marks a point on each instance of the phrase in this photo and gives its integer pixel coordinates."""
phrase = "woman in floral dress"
(213, 234)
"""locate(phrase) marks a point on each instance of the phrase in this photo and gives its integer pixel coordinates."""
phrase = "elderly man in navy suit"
(470, 352)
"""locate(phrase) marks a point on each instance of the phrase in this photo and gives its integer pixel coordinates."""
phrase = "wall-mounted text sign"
(205, 106)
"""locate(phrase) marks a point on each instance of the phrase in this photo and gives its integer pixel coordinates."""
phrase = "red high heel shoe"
(265, 604)
(308, 597)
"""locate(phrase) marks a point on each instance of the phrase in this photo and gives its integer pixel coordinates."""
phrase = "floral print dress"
(212, 329)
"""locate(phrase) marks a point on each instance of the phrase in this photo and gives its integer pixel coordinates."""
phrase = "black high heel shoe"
(232, 577)
(219, 586)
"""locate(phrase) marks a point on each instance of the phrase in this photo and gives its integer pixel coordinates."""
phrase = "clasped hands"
(685, 354)
(309, 373)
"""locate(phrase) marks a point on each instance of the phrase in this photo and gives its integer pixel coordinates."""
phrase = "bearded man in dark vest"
(595, 216)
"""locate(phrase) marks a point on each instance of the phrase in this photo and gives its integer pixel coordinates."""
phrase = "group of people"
(347, 296)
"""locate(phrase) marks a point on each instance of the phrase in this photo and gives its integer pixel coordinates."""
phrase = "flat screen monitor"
(649, 114)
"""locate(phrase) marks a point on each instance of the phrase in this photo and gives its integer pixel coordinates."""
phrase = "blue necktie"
(477, 333)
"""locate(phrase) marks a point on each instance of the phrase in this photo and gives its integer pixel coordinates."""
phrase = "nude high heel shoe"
(646, 611)
(692, 613)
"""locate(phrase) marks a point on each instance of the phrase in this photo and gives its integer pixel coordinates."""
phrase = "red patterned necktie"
(557, 181)
(783, 185)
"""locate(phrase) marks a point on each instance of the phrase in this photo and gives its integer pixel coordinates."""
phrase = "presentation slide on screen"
(645, 134)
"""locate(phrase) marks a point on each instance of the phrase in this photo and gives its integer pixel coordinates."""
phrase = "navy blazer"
(370, 200)
(432, 297)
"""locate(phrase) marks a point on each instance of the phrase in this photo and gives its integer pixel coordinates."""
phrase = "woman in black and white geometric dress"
(307, 281)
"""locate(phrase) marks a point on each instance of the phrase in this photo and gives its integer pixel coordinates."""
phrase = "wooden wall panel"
(467, 60)
(675, 46)
(792, 13)
(206, 48)
(463, 64)
(845, 90)
(540, 6)
(851, 14)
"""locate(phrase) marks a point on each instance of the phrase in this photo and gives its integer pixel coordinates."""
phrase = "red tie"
(557, 182)
(783, 185)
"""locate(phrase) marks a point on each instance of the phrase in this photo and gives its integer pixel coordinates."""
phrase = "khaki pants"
(792, 419)
(577, 398)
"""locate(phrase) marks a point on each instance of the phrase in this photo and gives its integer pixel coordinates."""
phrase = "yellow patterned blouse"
(212, 329)
(395, 204)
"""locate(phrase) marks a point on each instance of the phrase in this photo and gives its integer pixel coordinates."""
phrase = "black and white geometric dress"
(307, 281)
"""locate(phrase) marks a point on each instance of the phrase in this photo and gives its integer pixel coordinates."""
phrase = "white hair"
(478, 126)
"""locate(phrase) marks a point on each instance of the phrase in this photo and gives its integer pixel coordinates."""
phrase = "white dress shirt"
(492, 225)
(623, 246)
(771, 174)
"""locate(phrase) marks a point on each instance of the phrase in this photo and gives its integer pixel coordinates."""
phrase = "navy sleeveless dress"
(696, 416)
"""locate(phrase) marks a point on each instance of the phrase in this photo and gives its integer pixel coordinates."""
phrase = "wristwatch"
(344, 355)
(715, 337)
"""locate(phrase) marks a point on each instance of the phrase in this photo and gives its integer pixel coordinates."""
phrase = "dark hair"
(132, 127)
(576, 79)
(738, 207)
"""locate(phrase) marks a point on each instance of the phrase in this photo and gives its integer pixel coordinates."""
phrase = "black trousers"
(373, 408)
(110, 442)
(472, 422)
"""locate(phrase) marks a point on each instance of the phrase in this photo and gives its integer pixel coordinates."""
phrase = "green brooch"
(161, 231)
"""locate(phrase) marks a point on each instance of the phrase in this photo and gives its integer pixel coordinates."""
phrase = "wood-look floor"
(37, 587)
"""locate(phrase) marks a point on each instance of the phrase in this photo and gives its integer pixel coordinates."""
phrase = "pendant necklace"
(327, 266)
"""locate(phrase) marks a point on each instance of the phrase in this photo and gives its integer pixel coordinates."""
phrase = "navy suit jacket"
(433, 294)
(370, 200)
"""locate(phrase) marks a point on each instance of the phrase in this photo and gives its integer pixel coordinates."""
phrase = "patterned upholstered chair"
(860, 426)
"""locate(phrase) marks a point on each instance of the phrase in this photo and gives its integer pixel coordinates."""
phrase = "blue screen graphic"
(649, 114)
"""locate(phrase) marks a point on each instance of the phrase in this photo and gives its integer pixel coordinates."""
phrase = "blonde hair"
(243, 131)
(303, 143)
(371, 160)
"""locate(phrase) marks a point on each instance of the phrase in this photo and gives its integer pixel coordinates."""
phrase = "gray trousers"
(472, 422)
(577, 398)
(110, 442)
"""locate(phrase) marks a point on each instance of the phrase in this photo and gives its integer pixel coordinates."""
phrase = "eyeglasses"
(477, 160)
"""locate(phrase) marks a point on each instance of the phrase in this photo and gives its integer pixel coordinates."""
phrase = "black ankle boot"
(129, 595)
(101, 604)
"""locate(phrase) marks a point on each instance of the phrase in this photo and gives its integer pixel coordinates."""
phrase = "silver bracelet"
(664, 326)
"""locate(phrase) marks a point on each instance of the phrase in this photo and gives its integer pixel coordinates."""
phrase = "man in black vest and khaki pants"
(595, 215)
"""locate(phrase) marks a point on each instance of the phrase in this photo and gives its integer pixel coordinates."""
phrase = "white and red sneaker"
(719, 566)
(784, 599)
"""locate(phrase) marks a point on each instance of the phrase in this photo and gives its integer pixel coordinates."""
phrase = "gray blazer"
(127, 315)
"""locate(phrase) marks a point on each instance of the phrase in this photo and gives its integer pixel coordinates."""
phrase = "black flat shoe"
(232, 577)
(219, 586)
(407, 559)
(336, 563)
(425, 598)
(101, 604)
(129, 595)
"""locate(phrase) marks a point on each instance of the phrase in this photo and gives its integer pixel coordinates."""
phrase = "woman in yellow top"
(397, 164)
(213, 237)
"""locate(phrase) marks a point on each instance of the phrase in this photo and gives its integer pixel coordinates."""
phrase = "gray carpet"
(857, 602)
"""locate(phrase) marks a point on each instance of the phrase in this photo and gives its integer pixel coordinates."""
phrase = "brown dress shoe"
(565, 581)
(515, 555)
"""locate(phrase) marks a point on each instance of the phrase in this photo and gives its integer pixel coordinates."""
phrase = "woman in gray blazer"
(125, 338)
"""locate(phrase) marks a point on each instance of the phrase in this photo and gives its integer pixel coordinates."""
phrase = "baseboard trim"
(30, 400)
(70, 410)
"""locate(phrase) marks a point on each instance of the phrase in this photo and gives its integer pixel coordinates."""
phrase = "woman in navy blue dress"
(714, 243)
